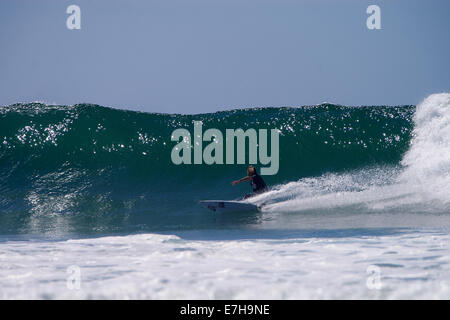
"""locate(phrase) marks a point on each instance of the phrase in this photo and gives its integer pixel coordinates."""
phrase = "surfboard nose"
(229, 206)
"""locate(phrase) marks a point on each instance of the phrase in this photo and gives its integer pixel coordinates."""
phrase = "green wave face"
(87, 168)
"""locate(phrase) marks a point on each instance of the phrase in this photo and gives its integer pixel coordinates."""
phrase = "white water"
(149, 266)
(427, 161)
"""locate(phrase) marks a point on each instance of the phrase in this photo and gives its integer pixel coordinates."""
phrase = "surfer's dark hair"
(251, 170)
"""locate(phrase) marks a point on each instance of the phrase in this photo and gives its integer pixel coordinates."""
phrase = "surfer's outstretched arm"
(247, 178)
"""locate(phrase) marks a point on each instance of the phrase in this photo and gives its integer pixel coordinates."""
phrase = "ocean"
(92, 207)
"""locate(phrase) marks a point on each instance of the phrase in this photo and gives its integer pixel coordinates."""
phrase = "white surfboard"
(229, 206)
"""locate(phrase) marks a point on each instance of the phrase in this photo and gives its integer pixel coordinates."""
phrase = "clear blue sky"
(191, 56)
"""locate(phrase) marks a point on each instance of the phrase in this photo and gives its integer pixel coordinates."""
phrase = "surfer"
(257, 183)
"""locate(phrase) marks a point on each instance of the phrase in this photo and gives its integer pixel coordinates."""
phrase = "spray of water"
(420, 184)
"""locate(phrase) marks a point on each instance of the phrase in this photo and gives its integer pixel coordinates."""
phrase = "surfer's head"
(251, 171)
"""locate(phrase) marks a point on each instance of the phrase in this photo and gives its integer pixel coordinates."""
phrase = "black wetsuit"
(258, 185)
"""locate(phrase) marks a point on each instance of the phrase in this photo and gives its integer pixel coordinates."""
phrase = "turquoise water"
(91, 169)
